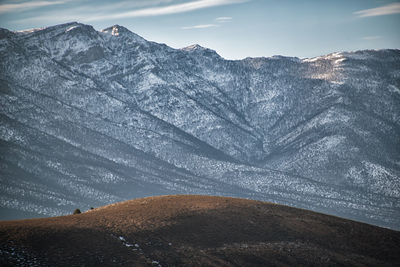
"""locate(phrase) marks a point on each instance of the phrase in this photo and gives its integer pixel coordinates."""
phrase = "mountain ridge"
(315, 133)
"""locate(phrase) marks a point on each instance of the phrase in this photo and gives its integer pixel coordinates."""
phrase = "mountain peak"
(60, 28)
(116, 30)
(120, 31)
(196, 48)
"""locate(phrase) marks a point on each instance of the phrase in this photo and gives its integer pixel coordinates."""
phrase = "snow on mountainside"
(92, 117)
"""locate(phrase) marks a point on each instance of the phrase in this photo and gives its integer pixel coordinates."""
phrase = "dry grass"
(196, 230)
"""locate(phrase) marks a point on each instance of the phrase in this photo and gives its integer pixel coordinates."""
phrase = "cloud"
(112, 6)
(119, 10)
(167, 10)
(369, 38)
(393, 8)
(85, 11)
(201, 26)
(4, 8)
(223, 19)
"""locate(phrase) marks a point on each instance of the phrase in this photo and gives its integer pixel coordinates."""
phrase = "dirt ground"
(196, 231)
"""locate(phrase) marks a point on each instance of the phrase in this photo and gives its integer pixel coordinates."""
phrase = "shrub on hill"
(77, 211)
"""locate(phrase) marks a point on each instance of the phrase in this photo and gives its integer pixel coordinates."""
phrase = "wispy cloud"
(393, 8)
(86, 12)
(4, 8)
(167, 10)
(223, 19)
(201, 26)
(118, 10)
(369, 38)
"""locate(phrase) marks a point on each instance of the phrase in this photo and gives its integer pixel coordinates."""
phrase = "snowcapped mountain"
(91, 117)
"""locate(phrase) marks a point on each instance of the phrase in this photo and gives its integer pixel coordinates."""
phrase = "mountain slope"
(197, 231)
(92, 117)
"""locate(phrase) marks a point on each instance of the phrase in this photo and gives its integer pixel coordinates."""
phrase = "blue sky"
(234, 28)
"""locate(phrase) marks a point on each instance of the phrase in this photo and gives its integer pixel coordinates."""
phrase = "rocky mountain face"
(91, 117)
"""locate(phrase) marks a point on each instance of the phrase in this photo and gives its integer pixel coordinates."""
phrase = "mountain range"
(88, 118)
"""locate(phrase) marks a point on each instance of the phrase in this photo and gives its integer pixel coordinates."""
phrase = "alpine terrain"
(88, 118)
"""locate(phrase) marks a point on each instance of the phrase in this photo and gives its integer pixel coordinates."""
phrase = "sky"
(234, 28)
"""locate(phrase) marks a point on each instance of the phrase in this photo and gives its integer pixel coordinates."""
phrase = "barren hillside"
(196, 230)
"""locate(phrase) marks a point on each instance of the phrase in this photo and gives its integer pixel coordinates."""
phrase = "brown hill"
(196, 230)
